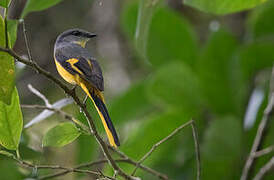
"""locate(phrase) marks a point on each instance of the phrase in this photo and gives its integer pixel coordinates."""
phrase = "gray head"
(76, 36)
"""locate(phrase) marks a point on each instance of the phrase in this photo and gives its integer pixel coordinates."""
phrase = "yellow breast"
(65, 74)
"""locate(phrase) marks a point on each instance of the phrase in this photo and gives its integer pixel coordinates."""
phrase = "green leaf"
(61, 135)
(38, 5)
(223, 6)
(7, 69)
(216, 71)
(11, 122)
(221, 149)
(4, 3)
(170, 38)
(260, 21)
(12, 32)
(175, 85)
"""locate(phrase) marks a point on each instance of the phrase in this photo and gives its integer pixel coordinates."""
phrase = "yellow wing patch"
(72, 62)
(89, 63)
(65, 74)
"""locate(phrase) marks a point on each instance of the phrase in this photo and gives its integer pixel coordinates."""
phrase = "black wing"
(91, 72)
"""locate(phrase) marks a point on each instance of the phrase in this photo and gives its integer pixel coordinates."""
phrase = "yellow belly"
(65, 74)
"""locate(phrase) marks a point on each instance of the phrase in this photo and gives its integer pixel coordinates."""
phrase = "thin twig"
(260, 132)
(6, 28)
(40, 95)
(125, 158)
(26, 39)
(197, 149)
(145, 168)
(67, 169)
(60, 112)
(267, 167)
(263, 152)
(169, 137)
(85, 99)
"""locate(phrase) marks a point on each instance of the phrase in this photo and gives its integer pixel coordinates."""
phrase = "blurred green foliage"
(223, 6)
(210, 82)
(4, 3)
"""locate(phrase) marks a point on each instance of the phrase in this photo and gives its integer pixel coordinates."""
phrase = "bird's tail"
(98, 101)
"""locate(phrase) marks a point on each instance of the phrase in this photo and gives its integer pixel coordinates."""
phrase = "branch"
(267, 167)
(197, 149)
(58, 111)
(26, 39)
(30, 165)
(191, 122)
(263, 152)
(40, 95)
(124, 158)
(260, 131)
(92, 127)
(6, 27)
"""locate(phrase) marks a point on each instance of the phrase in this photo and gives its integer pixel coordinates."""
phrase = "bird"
(77, 66)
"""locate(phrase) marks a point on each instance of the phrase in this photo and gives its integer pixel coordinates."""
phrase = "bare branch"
(47, 112)
(260, 131)
(124, 159)
(26, 38)
(40, 95)
(58, 111)
(169, 137)
(197, 149)
(267, 167)
(263, 152)
(6, 28)
(30, 165)
(92, 127)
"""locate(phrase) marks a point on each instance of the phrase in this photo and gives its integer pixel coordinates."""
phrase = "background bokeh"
(174, 64)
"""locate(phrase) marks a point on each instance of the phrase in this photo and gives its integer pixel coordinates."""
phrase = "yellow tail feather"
(109, 134)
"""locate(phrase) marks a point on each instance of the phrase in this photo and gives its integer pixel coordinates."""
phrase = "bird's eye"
(75, 33)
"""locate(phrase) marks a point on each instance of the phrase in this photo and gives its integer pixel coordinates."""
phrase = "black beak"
(90, 35)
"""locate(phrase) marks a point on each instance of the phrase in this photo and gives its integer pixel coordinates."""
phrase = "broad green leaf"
(170, 38)
(4, 3)
(221, 149)
(61, 135)
(223, 6)
(38, 5)
(215, 69)
(12, 31)
(11, 122)
(175, 85)
(7, 69)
